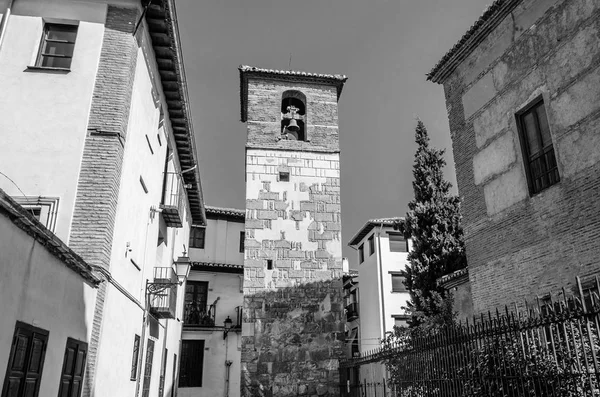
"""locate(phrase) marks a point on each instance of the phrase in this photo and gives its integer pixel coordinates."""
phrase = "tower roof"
(247, 72)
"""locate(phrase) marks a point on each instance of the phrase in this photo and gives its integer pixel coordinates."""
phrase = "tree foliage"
(433, 224)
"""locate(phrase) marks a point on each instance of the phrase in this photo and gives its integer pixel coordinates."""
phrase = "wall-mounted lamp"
(227, 327)
(182, 269)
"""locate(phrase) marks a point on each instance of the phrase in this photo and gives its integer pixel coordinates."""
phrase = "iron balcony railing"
(173, 199)
(163, 302)
(197, 314)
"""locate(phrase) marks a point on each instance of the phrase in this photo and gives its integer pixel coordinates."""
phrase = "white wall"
(226, 287)
(40, 290)
(135, 250)
(377, 301)
(49, 109)
(222, 243)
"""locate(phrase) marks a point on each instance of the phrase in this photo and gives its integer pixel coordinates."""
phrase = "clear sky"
(384, 47)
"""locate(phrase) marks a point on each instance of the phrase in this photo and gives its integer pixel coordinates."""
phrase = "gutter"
(4, 21)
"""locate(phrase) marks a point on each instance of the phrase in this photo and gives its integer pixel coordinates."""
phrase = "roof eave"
(490, 19)
(161, 19)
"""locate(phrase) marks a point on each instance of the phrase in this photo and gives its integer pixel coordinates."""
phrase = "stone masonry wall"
(520, 246)
(98, 187)
(293, 330)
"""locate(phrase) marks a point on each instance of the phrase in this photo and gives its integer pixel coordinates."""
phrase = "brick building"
(293, 325)
(97, 143)
(522, 89)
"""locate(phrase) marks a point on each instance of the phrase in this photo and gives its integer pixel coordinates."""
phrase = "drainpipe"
(4, 21)
(380, 270)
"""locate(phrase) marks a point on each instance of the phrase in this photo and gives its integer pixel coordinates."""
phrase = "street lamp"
(227, 327)
(182, 269)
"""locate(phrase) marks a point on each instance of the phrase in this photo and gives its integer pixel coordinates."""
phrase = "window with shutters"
(135, 358)
(361, 253)
(163, 370)
(372, 244)
(192, 360)
(538, 150)
(71, 380)
(25, 362)
(397, 242)
(174, 383)
(148, 368)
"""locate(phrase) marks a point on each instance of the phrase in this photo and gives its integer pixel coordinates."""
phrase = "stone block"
(283, 263)
(323, 217)
(255, 204)
(267, 214)
(495, 158)
(254, 263)
(307, 206)
(333, 208)
(254, 224)
(268, 195)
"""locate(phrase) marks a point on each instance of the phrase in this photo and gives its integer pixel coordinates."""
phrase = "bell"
(293, 126)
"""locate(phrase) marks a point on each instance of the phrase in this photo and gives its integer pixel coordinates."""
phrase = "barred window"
(538, 150)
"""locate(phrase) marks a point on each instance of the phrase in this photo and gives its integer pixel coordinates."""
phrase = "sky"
(384, 47)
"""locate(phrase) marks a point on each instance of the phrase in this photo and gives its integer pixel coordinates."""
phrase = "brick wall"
(293, 330)
(98, 187)
(520, 246)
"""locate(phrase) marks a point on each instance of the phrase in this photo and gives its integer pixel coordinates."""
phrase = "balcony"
(197, 314)
(163, 302)
(173, 199)
(352, 311)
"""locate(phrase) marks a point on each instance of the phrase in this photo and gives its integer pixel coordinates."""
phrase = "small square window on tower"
(284, 176)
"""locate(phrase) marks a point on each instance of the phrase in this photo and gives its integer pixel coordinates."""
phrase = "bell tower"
(293, 326)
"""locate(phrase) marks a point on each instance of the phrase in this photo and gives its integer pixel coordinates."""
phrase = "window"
(25, 362)
(44, 209)
(242, 239)
(174, 384)
(195, 308)
(398, 283)
(269, 264)
(538, 151)
(371, 244)
(397, 242)
(400, 320)
(135, 358)
(197, 237)
(192, 360)
(284, 176)
(148, 368)
(71, 380)
(361, 253)
(163, 370)
(56, 49)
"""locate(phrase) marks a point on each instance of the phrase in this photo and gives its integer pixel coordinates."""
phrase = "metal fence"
(549, 348)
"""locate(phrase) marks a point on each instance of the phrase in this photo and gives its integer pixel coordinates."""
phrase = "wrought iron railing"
(551, 348)
(198, 314)
(163, 299)
(173, 199)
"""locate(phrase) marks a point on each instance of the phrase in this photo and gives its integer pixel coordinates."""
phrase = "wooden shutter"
(26, 361)
(148, 368)
(71, 380)
(192, 360)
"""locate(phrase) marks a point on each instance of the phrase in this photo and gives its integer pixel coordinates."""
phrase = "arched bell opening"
(293, 115)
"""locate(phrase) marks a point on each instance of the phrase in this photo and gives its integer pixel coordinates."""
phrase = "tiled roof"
(246, 71)
(217, 267)
(452, 276)
(371, 223)
(29, 224)
(491, 18)
(219, 212)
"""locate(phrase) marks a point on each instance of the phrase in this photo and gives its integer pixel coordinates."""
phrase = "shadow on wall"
(292, 339)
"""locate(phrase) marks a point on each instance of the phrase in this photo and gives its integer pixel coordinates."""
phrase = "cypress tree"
(433, 224)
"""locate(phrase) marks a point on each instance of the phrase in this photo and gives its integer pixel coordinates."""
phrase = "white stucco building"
(210, 351)
(97, 144)
(381, 255)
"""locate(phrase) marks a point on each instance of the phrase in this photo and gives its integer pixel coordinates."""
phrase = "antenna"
(290, 63)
